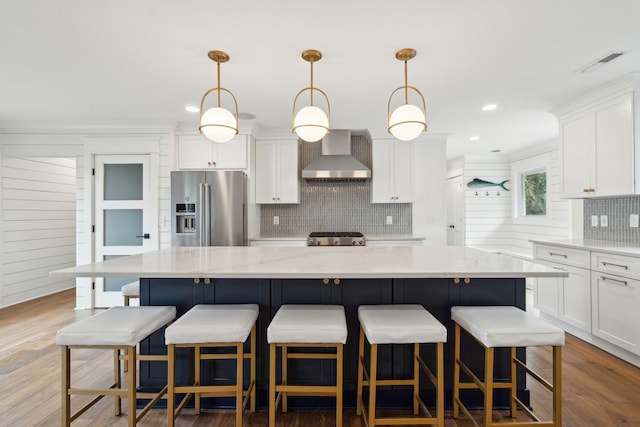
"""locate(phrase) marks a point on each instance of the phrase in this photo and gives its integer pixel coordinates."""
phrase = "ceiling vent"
(600, 62)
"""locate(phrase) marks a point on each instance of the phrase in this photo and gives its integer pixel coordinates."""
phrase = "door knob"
(452, 226)
(145, 236)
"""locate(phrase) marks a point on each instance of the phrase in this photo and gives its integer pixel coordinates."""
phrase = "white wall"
(70, 142)
(490, 220)
(38, 216)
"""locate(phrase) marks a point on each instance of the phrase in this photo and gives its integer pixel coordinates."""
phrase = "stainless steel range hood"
(336, 161)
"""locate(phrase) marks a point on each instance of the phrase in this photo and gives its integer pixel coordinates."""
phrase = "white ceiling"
(133, 61)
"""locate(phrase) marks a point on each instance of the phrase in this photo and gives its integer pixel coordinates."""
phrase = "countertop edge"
(615, 248)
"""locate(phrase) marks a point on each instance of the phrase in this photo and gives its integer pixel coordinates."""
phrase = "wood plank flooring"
(598, 389)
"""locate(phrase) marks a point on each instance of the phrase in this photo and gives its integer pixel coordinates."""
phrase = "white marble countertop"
(616, 248)
(314, 262)
(367, 236)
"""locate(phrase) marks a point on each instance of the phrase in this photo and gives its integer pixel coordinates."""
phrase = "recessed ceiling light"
(489, 107)
(192, 109)
(474, 138)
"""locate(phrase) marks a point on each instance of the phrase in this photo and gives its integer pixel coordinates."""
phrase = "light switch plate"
(276, 220)
(604, 221)
(594, 220)
(634, 220)
(389, 220)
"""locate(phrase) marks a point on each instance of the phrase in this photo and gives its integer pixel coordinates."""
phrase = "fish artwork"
(481, 183)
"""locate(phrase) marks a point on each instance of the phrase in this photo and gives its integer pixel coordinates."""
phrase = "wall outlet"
(604, 221)
(276, 220)
(634, 220)
(389, 220)
(594, 220)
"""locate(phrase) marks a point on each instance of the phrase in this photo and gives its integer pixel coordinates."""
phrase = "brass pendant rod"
(218, 62)
(311, 103)
(406, 84)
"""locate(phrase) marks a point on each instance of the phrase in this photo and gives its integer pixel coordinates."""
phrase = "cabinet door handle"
(467, 280)
(456, 280)
(614, 265)
(325, 281)
(555, 254)
(609, 279)
(336, 281)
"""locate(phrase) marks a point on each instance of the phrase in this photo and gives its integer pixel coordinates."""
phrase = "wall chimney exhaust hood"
(336, 162)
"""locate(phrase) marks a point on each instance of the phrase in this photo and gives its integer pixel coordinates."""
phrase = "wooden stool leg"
(440, 387)
(416, 377)
(373, 372)
(239, 382)
(253, 369)
(557, 386)
(514, 384)
(131, 387)
(456, 371)
(360, 372)
(197, 366)
(285, 364)
(171, 396)
(117, 379)
(488, 386)
(65, 408)
(272, 385)
(339, 358)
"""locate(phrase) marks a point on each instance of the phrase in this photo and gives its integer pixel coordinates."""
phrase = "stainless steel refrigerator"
(208, 208)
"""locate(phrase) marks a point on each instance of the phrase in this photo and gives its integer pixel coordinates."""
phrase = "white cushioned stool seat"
(117, 326)
(223, 323)
(506, 327)
(400, 324)
(308, 324)
(131, 290)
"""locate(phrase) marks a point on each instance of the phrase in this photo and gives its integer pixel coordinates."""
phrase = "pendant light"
(311, 123)
(217, 123)
(407, 121)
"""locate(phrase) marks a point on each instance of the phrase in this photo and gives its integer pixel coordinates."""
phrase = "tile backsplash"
(335, 206)
(617, 210)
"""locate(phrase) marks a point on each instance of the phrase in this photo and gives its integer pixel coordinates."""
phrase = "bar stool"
(131, 290)
(213, 326)
(305, 326)
(400, 324)
(508, 327)
(116, 328)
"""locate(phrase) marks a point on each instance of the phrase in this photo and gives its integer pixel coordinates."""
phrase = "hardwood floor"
(598, 389)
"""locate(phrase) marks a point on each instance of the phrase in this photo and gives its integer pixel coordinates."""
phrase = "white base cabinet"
(616, 310)
(601, 296)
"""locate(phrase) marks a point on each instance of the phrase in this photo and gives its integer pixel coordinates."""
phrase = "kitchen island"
(436, 277)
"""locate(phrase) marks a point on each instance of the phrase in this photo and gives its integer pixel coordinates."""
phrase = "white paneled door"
(124, 217)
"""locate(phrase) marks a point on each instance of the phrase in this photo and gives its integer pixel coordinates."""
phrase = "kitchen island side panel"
(436, 295)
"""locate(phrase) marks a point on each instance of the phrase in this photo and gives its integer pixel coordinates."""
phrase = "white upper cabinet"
(599, 143)
(277, 172)
(392, 171)
(198, 152)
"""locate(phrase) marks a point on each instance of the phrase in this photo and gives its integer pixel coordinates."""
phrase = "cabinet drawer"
(562, 255)
(620, 265)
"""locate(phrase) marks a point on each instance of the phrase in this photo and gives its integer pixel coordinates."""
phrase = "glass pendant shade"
(311, 124)
(407, 122)
(218, 124)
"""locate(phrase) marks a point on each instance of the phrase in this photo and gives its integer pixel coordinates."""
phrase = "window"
(534, 193)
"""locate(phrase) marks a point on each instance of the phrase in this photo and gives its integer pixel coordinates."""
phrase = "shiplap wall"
(25, 143)
(38, 214)
(487, 217)
(490, 221)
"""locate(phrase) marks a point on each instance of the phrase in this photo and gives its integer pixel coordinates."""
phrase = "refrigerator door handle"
(207, 214)
(201, 210)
